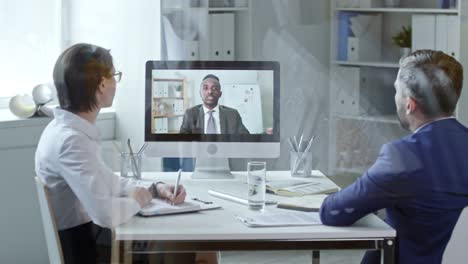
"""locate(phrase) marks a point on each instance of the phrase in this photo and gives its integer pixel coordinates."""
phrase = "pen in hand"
(176, 186)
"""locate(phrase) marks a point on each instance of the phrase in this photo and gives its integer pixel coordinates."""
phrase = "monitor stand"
(212, 168)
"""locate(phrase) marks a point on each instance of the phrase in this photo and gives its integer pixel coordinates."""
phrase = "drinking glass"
(256, 175)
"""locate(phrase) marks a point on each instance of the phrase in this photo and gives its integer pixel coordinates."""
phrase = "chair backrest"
(50, 229)
(456, 250)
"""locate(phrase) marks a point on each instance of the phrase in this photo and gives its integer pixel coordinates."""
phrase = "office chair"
(50, 229)
(456, 252)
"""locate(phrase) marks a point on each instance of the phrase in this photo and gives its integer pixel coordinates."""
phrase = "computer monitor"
(245, 122)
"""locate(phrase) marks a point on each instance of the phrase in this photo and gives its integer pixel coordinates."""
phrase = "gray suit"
(230, 121)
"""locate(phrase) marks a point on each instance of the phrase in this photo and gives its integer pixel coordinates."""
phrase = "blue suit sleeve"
(382, 186)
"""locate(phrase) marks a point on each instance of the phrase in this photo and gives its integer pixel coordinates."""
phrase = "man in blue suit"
(421, 179)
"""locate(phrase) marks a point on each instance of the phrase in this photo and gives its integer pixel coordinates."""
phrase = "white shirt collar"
(205, 110)
(75, 121)
(439, 119)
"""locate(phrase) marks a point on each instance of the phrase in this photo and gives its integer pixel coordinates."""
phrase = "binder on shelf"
(222, 36)
(441, 33)
(443, 4)
(370, 3)
(367, 42)
(436, 32)
(343, 34)
(164, 125)
(192, 50)
(164, 89)
(453, 36)
(423, 32)
(157, 125)
(346, 90)
(353, 49)
(347, 3)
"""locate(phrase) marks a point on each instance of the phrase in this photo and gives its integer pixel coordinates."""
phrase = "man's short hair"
(212, 76)
(434, 79)
(77, 74)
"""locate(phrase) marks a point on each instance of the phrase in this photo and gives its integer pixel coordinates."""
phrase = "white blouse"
(81, 187)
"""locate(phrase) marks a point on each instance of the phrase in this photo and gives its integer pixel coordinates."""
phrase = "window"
(30, 43)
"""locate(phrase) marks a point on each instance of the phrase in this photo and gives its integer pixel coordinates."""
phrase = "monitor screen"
(211, 105)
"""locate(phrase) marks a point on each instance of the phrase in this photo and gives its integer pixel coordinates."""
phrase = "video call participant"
(210, 117)
(421, 179)
(86, 197)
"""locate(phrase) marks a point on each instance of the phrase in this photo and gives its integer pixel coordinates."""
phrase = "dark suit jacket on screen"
(230, 121)
(422, 181)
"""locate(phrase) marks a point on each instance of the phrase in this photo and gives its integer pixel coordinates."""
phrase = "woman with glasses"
(87, 198)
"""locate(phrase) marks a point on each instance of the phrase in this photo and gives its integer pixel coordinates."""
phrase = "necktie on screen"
(211, 126)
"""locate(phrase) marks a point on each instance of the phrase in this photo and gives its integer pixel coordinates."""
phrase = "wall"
(296, 33)
(22, 237)
(131, 29)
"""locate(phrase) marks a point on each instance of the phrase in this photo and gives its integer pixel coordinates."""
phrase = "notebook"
(280, 218)
(308, 203)
(294, 188)
(161, 207)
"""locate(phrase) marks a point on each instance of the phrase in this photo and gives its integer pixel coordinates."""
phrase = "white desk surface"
(221, 224)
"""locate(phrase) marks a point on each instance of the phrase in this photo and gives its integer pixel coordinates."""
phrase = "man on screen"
(210, 117)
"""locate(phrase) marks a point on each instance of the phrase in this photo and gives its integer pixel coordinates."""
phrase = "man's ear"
(411, 105)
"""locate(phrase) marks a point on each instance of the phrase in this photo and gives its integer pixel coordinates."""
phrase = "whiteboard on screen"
(246, 99)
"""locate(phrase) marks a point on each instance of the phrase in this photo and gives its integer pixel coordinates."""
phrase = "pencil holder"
(300, 164)
(130, 165)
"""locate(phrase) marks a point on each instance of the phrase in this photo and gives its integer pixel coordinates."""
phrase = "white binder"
(453, 36)
(222, 36)
(192, 50)
(441, 35)
(423, 32)
(346, 90)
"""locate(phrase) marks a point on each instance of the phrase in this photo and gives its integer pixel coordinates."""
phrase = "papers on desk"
(308, 203)
(294, 188)
(161, 207)
(280, 218)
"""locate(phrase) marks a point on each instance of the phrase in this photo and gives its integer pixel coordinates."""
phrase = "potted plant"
(403, 40)
(178, 90)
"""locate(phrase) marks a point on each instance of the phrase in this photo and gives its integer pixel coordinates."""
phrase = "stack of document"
(293, 188)
(280, 218)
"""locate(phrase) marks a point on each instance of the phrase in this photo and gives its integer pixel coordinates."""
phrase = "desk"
(219, 230)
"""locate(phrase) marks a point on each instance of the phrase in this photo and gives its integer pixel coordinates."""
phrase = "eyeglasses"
(117, 75)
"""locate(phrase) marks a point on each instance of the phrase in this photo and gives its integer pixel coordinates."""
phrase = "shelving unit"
(401, 10)
(368, 64)
(192, 31)
(169, 104)
(389, 119)
(362, 111)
